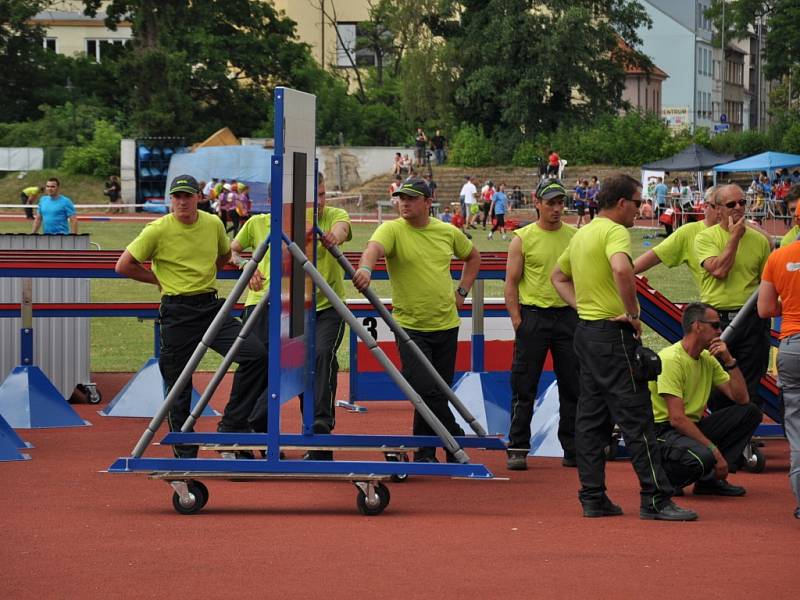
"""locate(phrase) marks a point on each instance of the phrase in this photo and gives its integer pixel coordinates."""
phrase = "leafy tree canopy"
(526, 66)
(781, 22)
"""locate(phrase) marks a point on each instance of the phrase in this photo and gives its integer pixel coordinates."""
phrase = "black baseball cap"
(184, 183)
(413, 186)
(550, 188)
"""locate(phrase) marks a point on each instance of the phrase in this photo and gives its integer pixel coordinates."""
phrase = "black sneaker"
(517, 459)
(668, 512)
(797, 513)
(718, 487)
(605, 508)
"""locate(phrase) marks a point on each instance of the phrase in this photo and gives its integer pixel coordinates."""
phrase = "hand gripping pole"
(208, 338)
(450, 443)
(404, 338)
(740, 318)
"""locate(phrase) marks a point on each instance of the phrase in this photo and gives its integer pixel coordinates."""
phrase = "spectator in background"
(420, 142)
(660, 192)
(447, 215)
(397, 165)
(553, 163)
(515, 197)
(438, 143)
(791, 207)
(498, 209)
(56, 212)
(204, 203)
(594, 189)
(580, 197)
(28, 197)
(406, 165)
(469, 200)
(242, 207)
(113, 189)
(487, 191)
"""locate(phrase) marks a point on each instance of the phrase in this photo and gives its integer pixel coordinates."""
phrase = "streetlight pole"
(71, 90)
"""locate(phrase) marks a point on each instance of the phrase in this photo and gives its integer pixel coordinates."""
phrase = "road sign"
(723, 118)
(721, 127)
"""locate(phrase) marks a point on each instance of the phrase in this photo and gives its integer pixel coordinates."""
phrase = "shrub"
(471, 148)
(99, 156)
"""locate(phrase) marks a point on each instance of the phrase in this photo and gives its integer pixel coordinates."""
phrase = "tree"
(28, 72)
(192, 68)
(527, 66)
(780, 20)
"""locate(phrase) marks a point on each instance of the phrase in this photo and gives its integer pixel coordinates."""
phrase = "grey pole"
(449, 442)
(740, 317)
(208, 338)
(404, 338)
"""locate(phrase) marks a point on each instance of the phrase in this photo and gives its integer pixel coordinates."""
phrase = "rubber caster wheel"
(391, 457)
(376, 506)
(754, 460)
(198, 497)
(95, 397)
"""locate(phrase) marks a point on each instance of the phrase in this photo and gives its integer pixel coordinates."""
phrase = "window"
(49, 43)
(347, 44)
(95, 47)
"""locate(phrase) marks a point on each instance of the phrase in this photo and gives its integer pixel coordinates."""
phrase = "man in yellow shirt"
(28, 197)
(696, 448)
(186, 247)
(418, 250)
(542, 322)
(678, 248)
(732, 257)
(595, 276)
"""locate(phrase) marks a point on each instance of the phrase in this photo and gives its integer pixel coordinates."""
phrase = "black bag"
(646, 364)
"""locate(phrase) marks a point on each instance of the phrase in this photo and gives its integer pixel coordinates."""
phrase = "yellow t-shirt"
(743, 278)
(790, 236)
(540, 250)
(687, 378)
(678, 249)
(254, 231)
(587, 260)
(418, 261)
(183, 256)
(31, 191)
(327, 265)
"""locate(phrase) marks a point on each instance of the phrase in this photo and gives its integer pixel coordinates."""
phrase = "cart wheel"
(378, 505)
(94, 396)
(196, 501)
(394, 457)
(755, 462)
(201, 489)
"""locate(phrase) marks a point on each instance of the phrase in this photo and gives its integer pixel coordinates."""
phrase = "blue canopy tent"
(247, 164)
(766, 161)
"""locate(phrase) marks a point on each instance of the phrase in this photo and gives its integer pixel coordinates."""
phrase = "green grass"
(81, 189)
(123, 344)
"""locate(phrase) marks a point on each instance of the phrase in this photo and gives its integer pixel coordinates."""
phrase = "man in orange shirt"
(779, 294)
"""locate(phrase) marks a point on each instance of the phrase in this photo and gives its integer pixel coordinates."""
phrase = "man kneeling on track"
(695, 448)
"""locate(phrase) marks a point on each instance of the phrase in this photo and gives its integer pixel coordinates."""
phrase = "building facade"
(706, 87)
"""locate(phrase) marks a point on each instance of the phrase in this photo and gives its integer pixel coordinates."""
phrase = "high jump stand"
(291, 306)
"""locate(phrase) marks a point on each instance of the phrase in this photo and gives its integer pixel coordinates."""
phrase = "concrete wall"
(347, 167)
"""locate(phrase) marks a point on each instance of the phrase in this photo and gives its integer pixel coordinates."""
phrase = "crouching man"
(696, 448)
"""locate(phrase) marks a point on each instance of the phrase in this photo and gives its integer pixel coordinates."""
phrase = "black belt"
(606, 324)
(196, 299)
(534, 308)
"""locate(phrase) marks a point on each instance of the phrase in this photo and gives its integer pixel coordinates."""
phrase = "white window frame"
(45, 41)
(98, 42)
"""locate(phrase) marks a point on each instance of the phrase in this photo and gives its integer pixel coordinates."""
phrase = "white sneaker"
(505, 237)
(488, 237)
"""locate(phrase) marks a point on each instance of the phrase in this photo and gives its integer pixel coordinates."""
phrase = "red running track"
(69, 531)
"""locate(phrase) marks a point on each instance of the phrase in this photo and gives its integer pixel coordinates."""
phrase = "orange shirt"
(783, 271)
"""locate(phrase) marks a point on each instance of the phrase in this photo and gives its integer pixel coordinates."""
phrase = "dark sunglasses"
(733, 203)
(638, 203)
(714, 324)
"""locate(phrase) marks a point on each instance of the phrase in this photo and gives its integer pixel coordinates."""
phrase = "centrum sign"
(676, 117)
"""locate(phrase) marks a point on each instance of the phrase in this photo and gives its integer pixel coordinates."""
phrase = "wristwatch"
(462, 292)
(731, 366)
(632, 317)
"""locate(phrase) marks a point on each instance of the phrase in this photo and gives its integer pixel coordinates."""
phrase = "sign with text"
(676, 117)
